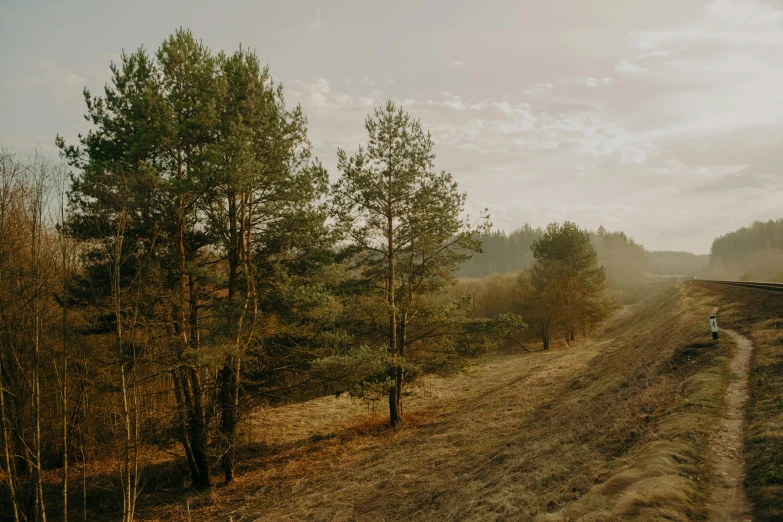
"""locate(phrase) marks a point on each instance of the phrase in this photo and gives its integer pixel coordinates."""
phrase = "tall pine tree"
(404, 223)
(219, 196)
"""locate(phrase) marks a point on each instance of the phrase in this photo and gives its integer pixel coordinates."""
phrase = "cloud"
(54, 79)
(465, 135)
(627, 66)
(99, 73)
(536, 123)
(724, 28)
(655, 53)
(541, 88)
(691, 106)
(594, 82)
(317, 85)
(733, 22)
(719, 73)
(674, 168)
(735, 182)
(317, 94)
(405, 102)
(318, 23)
(583, 170)
(450, 101)
(336, 116)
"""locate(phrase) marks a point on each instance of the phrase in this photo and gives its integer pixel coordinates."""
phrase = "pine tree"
(404, 223)
(568, 281)
(219, 198)
(263, 212)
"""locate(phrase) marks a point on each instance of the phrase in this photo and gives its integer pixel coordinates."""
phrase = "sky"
(660, 118)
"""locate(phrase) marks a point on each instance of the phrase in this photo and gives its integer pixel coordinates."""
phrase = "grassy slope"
(759, 316)
(611, 429)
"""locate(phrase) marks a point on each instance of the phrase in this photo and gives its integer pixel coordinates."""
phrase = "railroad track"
(771, 287)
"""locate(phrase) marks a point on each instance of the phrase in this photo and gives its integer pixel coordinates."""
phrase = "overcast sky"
(661, 118)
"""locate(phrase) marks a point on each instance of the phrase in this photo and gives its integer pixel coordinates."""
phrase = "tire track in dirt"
(727, 501)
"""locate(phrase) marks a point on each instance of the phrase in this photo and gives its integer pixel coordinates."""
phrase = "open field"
(619, 427)
(610, 429)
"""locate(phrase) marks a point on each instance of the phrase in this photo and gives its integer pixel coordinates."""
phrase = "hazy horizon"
(661, 119)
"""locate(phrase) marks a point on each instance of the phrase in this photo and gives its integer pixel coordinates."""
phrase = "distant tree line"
(627, 262)
(677, 263)
(570, 279)
(750, 253)
(564, 295)
(502, 253)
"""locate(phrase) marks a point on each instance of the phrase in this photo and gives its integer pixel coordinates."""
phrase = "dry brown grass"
(610, 429)
(664, 384)
(759, 316)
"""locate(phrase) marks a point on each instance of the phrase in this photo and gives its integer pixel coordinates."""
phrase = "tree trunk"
(394, 418)
(6, 449)
(127, 481)
(65, 289)
(197, 431)
(192, 392)
(10, 468)
(400, 374)
(182, 414)
(181, 381)
(545, 337)
(229, 399)
(193, 298)
(65, 422)
(229, 377)
(240, 230)
(65, 399)
(197, 425)
(84, 467)
(394, 413)
(40, 507)
(128, 478)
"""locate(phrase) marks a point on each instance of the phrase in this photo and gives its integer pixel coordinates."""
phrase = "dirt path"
(728, 502)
